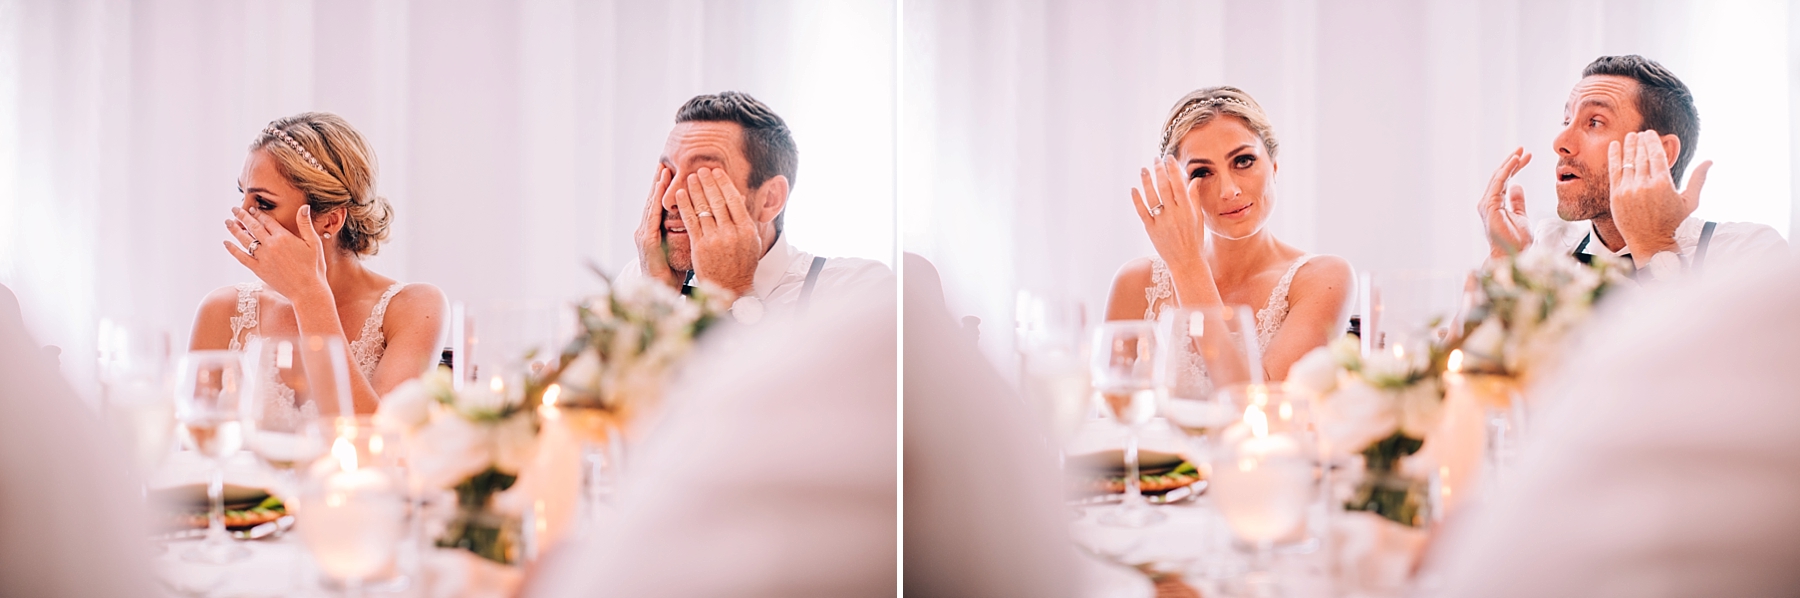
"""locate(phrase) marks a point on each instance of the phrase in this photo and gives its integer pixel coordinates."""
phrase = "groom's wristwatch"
(747, 310)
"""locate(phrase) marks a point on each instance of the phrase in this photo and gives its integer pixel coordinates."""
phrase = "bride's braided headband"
(288, 140)
(1194, 105)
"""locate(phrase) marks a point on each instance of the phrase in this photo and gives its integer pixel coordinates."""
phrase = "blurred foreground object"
(70, 518)
(1666, 464)
(982, 515)
(771, 474)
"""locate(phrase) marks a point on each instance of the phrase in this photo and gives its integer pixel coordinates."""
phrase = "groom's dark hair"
(1663, 100)
(768, 144)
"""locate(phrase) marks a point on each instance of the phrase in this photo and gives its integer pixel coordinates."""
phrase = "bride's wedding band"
(1627, 165)
(704, 214)
(254, 243)
(1155, 210)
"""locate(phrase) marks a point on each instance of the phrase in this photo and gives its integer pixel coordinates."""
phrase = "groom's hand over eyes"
(653, 257)
(726, 244)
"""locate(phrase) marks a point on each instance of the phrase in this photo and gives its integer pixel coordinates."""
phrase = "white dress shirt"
(781, 274)
(1665, 460)
(1732, 244)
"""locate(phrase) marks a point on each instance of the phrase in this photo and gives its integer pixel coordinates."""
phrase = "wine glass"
(290, 381)
(1264, 478)
(356, 507)
(1124, 373)
(208, 386)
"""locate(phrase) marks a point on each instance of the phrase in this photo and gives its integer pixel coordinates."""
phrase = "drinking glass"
(208, 387)
(1124, 373)
(133, 368)
(1264, 481)
(1053, 362)
(355, 504)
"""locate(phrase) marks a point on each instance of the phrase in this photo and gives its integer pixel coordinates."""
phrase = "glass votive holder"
(353, 510)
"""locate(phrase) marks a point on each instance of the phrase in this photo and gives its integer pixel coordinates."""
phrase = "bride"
(309, 215)
(1212, 247)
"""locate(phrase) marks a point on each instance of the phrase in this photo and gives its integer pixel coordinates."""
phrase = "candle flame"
(1286, 411)
(551, 393)
(497, 385)
(375, 444)
(345, 453)
(1455, 362)
(1257, 420)
(1400, 351)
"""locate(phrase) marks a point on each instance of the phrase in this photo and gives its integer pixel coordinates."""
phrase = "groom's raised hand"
(1645, 205)
(725, 240)
(1503, 210)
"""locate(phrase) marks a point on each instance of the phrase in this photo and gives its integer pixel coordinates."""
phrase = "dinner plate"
(1112, 462)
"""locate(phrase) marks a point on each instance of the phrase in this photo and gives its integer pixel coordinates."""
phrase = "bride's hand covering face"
(1231, 177)
(307, 216)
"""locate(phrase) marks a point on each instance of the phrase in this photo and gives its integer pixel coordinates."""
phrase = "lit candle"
(354, 516)
(1264, 488)
(1459, 441)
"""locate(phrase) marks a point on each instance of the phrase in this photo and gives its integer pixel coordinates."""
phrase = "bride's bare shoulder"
(1136, 272)
(212, 323)
(1326, 273)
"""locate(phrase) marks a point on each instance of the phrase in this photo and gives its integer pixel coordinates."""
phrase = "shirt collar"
(772, 267)
(1687, 235)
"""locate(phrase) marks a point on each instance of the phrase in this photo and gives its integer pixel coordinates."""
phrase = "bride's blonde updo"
(328, 160)
(1202, 106)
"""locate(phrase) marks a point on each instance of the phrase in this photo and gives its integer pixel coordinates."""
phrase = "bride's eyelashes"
(1201, 172)
(261, 204)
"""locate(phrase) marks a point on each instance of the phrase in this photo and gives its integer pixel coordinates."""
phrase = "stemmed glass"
(1124, 373)
(208, 387)
(291, 380)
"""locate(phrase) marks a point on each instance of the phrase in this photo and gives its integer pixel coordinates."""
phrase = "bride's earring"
(327, 235)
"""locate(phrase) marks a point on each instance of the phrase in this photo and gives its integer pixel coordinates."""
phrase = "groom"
(716, 208)
(1616, 185)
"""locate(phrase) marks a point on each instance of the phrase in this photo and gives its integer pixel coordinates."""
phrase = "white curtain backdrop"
(516, 139)
(1024, 123)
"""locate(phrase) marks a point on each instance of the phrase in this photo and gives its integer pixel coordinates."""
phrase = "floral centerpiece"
(477, 439)
(631, 338)
(1527, 305)
(1381, 407)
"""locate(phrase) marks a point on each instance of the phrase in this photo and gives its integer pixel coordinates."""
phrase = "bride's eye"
(1201, 172)
(1244, 161)
(264, 205)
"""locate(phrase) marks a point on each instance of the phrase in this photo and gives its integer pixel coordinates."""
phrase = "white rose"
(1487, 341)
(450, 450)
(1421, 407)
(583, 373)
(1357, 415)
(1386, 369)
(515, 443)
(1316, 372)
(1347, 350)
(406, 407)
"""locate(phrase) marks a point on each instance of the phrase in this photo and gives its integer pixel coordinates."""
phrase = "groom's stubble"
(1591, 200)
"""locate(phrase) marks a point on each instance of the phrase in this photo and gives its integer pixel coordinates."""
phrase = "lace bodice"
(1160, 296)
(365, 351)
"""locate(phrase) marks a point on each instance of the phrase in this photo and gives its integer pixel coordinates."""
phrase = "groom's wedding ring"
(704, 214)
(254, 243)
(1156, 210)
(1626, 165)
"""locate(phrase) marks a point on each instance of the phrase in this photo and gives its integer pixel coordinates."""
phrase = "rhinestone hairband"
(294, 145)
(1191, 107)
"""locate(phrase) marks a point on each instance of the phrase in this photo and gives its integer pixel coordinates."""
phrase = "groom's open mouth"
(1566, 174)
(675, 228)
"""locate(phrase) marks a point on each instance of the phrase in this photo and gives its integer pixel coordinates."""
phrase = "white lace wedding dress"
(1161, 297)
(365, 351)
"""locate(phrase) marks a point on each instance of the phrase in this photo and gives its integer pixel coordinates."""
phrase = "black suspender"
(812, 279)
(1706, 233)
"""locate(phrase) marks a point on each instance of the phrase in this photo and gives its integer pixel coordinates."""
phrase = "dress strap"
(1161, 289)
(243, 325)
(372, 326)
(1275, 311)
